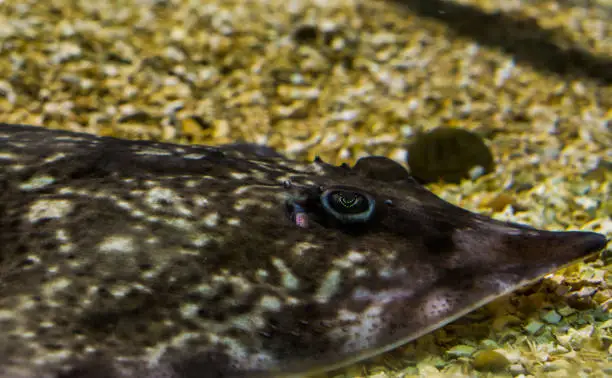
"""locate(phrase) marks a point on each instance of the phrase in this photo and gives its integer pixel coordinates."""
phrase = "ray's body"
(141, 259)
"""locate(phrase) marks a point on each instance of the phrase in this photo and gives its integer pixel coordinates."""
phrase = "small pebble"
(449, 154)
(490, 360)
(551, 317)
(461, 351)
(517, 370)
(566, 310)
(533, 327)
(489, 344)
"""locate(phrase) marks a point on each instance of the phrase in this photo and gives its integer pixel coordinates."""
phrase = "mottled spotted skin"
(140, 259)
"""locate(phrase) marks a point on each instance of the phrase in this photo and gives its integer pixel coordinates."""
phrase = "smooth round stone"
(448, 154)
(490, 360)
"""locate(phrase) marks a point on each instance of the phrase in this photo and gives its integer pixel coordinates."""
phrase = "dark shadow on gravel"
(550, 51)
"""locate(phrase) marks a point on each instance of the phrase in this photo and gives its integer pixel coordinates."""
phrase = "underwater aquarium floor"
(343, 79)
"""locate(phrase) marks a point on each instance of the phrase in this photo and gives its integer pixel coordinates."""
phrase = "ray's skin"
(141, 259)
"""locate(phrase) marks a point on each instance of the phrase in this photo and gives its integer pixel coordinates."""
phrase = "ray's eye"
(348, 206)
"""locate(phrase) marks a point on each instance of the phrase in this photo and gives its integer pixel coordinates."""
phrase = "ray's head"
(392, 261)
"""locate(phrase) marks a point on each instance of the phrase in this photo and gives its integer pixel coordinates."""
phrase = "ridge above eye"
(348, 205)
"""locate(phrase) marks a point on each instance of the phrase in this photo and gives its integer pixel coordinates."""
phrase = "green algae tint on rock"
(139, 259)
(448, 154)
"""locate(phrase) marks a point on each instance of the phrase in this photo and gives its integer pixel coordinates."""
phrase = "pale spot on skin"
(211, 220)
(150, 183)
(260, 175)
(6, 315)
(17, 144)
(155, 353)
(17, 167)
(54, 157)
(244, 359)
(33, 260)
(66, 248)
(117, 244)
(119, 291)
(51, 288)
(247, 322)
(200, 201)
(26, 303)
(240, 284)
(329, 287)
(28, 335)
(189, 310)
(239, 176)
(270, 303)
(73, 138)
(101, 195)
(241, 190)
(289, 280)
(152, 152)
(151, 274)
(388, 272)
(53, 357)
(365, 328)
(349, 260)
(299, 249)
(261, 275)
(187, 252)
(382, 297)
(293, 301)
(155, 197)
(360, 272)
(47, 324)
(233, 221)
(123, 205)
(436, 305)
(138, 214)
(7, 156)
(205, 290)
(346, 315)
(49, 209)
(61, 235)
(201, 240)
(191, 183)
(179, 223)
(193, 156)
(66, 191)
(37, 182)
(355, 257)
(243, 203)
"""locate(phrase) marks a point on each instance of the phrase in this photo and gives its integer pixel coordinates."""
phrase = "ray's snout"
(581, 243)
(559, 247)
(590, 242)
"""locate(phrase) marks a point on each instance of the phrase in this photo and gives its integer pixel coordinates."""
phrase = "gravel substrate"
(346, 78)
